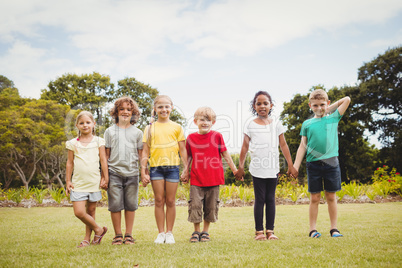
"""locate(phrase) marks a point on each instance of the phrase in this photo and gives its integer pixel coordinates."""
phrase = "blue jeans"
(167, 173)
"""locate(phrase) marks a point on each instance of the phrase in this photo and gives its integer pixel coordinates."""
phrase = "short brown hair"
(318, 94)
(205, 112)
(114, 112)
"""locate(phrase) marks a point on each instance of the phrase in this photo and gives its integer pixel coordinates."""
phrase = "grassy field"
(47, 237)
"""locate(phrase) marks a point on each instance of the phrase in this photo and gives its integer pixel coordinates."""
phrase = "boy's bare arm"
(229, 160)
(145, 178)
(300, 153)
(341, 105)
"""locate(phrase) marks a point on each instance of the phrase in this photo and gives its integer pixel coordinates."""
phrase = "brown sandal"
(205, 237)
(259, 236)
(117, 240)
(128, 239)
(195, 237)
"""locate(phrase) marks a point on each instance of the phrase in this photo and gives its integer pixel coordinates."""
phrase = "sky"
(200, 53)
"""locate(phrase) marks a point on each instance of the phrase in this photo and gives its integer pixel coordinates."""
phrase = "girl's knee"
(159, 201)
(170, 202)
(80, 214)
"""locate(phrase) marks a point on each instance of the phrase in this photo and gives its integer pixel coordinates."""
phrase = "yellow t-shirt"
(86, 174)
(164, 149)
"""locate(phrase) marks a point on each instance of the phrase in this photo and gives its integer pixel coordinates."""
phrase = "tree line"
(34, 131)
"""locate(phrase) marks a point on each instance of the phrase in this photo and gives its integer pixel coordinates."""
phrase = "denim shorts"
(167, 173)
(203, 200)
(122, 192)
(324, 175)
(85, 196)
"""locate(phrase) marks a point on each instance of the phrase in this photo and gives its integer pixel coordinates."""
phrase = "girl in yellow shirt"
(163, 141)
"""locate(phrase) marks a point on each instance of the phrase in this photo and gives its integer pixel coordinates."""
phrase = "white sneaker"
(160, 239)
(169, 239)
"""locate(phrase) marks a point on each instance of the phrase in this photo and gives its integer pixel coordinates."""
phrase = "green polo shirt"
(322, 136)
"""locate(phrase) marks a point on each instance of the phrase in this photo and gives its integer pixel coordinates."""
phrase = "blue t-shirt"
(322, 136)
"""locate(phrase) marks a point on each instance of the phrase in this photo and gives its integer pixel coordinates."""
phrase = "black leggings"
(264, 192)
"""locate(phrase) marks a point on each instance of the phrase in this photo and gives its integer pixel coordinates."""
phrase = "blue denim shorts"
(85, 196)
(122, 192)
(167, 173)
(324, 175)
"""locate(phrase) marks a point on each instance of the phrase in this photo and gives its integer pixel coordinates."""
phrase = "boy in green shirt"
(320, 141)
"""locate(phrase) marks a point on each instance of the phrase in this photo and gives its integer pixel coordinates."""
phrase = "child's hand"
(145, 178)
(69, 187)
(239, 174)
(292, 171)
(185, 177)
(104, 184)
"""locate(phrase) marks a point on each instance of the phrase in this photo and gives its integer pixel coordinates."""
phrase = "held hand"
(145, 179)
(293, 172)
(104, 184)
(235, 174)
(239, 175)
(69, 187)
(185, 177)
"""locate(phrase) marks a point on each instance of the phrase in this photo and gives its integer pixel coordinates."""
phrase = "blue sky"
(200, 53)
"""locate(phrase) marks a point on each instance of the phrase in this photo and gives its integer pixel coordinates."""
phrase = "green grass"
(47, 237)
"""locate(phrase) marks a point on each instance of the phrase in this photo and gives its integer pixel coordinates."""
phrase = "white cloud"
(126, 36)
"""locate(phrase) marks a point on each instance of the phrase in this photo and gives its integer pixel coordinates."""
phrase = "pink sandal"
(98, 241)
(84, 243)
(259, 236)
(271, 236)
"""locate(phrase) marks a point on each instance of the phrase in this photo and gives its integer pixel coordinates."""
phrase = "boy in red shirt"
(205, 150)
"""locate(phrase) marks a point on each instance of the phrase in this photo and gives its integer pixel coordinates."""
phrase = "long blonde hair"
(153, 114)
(81, 114)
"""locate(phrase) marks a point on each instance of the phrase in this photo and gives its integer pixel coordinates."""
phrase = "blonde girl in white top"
(84, 154)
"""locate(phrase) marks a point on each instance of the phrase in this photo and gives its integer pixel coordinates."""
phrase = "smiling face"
(262, 105)
(125, 112)
(204, 125)
(319, 106)
(85, 125)
(163, 107)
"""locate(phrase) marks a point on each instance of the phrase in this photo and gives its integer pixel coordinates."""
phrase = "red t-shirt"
(206, 167)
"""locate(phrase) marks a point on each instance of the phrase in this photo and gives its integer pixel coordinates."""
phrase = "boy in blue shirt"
(320, 141)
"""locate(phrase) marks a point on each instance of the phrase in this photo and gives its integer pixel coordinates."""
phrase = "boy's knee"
(331, 197)
(315, 198)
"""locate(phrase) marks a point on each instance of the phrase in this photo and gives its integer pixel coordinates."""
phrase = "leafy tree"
(356, 156)
(52, 166)
(5, 83)
(27, 132)
(380, 96)
(144, 95)
(88, 91)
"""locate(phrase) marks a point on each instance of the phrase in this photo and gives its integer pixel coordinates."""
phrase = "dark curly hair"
(114, 112)
(253, 111)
